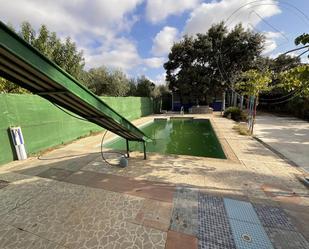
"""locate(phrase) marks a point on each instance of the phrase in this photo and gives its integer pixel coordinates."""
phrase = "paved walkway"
(70, 199)
(287, 135)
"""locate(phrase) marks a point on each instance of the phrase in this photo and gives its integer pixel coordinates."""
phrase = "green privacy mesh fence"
(43, 125)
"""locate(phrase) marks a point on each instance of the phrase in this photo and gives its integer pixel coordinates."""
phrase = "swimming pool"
(194, 137)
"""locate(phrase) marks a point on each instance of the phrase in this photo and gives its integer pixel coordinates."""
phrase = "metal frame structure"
(24, 65)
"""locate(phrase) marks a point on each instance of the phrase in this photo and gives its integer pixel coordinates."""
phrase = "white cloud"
(71, 17)
(121, 53)
(305, 59)
(158, 10)
(164, 40)
(248, 12)
(96, 26)
(160, 79)
(154, 62)
(271, 41)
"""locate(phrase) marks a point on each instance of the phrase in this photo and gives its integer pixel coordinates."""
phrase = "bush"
(236, 114)
(242, 130)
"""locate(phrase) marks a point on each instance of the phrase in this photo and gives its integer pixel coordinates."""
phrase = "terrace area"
(70, 198)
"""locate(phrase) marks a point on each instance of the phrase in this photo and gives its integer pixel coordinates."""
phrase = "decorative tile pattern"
(185, 211)
(68, 213)
(120, 235)
(13, 238)
(240, 210)
(283, 239)
(273, 217)
(19, 192)
(214, 230)
(249, 236)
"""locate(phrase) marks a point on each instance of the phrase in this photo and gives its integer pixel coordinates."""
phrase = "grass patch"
(242, 129)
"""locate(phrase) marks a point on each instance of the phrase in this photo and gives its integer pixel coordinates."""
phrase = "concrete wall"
(43, 125)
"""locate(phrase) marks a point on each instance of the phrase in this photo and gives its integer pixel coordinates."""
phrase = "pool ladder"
(182, 112)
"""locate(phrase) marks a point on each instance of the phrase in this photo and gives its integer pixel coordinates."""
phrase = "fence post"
(223, 102)
(241, 101)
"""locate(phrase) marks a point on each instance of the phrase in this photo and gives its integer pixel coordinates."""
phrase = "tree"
(208, 63)
(119, 83)
(304, 40)
(109, 83)
(132, 87)
(64, 54)
(144, 87)
(252, 84)
(297, 79)
(9, 87)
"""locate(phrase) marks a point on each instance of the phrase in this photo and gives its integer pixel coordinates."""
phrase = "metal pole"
(128, 155)
(241, 102)
(223, 102)
(172, 102)
(144, 150)
(235, 99)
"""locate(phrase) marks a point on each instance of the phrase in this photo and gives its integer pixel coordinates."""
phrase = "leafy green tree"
(254, 82)
(64, 54)
(144, 87)
(297, 79)
(206, 64)
(132, 87)
(109, 83)
(301, 40)
(9, 87)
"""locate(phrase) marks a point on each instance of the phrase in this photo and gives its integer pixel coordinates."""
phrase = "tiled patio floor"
(74, 200)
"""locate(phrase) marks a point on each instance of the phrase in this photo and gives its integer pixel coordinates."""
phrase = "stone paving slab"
(146, 189)
(185, 211)
(55, 174)
(79, 217)
(19, 192)
(177, 240)
(3, 184)
(121, 235)
(13, 238)
(154, 214)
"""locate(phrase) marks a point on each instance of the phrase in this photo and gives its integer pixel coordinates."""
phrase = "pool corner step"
(161, 119)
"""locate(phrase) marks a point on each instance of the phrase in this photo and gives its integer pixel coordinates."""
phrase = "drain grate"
(241, 210)
(249, 235)
(214, 230)
(284, 239)
(246, 237)
(273, 217)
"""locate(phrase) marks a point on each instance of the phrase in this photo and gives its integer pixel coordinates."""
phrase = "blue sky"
(136, 35)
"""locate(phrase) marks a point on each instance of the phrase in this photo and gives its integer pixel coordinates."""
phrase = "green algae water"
(194, 137)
